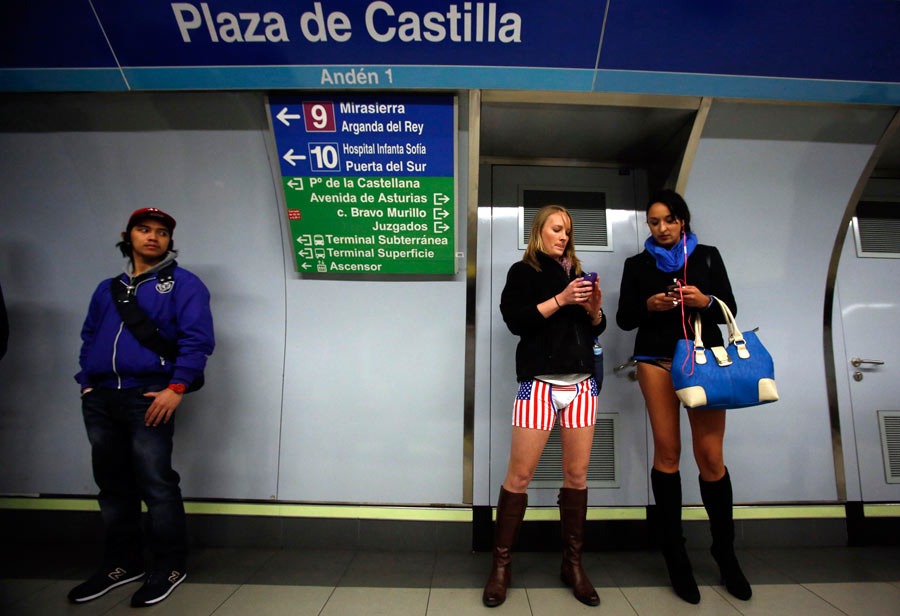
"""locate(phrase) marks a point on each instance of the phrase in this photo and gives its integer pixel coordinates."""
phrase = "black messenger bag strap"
(137, 321)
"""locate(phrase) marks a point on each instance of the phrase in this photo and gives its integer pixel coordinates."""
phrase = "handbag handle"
(734, 333)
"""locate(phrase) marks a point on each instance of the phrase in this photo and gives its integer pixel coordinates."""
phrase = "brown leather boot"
(510, 511)
(572, 513)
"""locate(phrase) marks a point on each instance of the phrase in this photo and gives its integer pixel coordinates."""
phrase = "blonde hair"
(536, 244)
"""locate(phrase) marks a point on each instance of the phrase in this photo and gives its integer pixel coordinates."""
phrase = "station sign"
(831, 51)
(369, 181)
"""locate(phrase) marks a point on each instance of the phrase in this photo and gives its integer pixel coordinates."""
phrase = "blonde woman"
(557, 313)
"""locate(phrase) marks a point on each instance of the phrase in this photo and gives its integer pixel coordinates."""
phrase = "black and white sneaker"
(157, 586)
(104, 581)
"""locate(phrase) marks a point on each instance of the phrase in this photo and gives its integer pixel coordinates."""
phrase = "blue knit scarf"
(671, 259)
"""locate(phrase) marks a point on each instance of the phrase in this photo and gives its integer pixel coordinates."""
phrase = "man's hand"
(164, 404)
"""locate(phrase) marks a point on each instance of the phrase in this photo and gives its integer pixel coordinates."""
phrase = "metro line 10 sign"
(369, 182)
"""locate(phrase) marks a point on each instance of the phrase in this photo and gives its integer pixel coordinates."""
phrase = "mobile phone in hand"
(672, 289)
(590, 277)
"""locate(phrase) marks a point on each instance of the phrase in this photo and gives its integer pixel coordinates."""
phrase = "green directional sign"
(369, 182)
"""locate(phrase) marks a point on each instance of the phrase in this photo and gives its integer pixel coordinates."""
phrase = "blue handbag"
(741, 374)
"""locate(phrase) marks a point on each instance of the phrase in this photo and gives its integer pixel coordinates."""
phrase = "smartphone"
(672, 289)
(590, 277)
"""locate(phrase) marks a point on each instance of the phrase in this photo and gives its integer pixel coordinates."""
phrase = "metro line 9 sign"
(369, 182)
(319, 117)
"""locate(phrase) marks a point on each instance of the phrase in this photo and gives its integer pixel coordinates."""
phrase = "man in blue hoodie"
(129, 394)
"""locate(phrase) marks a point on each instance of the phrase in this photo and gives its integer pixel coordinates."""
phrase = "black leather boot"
(572, 513)
(667, 492)
(717, 498)
(510, 511)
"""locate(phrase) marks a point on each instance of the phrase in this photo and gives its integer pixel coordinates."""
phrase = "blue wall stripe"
(407, 77)
(453, 77)
(738, 86)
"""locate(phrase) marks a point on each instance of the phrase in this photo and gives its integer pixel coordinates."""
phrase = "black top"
(658, 332)
(558, 344)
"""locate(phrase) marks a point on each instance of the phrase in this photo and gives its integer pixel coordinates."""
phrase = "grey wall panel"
(768, 187)
(373, 391)
(374, 382)
(73, 167)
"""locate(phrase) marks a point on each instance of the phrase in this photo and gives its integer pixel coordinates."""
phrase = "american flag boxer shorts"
(537, 404)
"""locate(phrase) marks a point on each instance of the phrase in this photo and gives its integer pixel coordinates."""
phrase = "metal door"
(621, 445)
(869, 296)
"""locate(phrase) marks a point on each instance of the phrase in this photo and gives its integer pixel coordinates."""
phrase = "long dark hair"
(676, 204)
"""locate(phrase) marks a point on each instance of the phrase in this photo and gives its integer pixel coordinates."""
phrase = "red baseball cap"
(151, 212)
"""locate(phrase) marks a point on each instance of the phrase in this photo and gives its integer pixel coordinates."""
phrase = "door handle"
(857, 362)
(628, 363)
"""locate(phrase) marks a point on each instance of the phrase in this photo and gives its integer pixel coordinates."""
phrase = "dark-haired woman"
(557, 314)
(662, 289)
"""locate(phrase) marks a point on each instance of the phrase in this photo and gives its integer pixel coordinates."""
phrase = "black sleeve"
(518, 303)
(600, 327)
(720, 286)
(632, 307)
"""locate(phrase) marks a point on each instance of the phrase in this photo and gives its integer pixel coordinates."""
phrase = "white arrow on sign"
(284, 116)
(306, 266)
(440, 227)
(291, 157)
(440, 199)
(439, 213)
(296, 183)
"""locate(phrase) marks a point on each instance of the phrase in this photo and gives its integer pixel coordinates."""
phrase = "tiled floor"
(263, 582)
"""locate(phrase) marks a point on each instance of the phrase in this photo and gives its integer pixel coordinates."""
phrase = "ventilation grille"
(889, 422)
(878, 229)
(590, 225)
(603, 469)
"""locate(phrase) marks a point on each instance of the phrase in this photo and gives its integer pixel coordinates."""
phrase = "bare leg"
(707, 433)
(576, 455)
(663, 409)
(524, 455)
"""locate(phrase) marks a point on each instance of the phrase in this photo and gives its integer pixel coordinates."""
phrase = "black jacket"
(560, 344)
(659, 332)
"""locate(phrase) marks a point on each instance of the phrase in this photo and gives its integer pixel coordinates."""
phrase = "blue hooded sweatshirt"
(112, 358)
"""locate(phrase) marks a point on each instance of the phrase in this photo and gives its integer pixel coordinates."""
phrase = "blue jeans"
(133, 462)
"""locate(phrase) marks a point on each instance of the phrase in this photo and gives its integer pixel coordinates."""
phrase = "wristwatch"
(178, 388)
